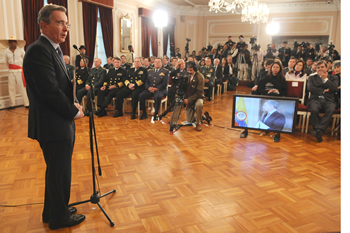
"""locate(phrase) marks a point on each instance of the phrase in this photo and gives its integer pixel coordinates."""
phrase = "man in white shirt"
(14, 55)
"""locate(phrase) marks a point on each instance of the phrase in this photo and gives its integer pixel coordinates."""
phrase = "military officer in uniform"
(109, 63)
(284, 54)
(81, 75)
(209, 75)
(95, 81)
(124, 65)
(70, 68)
(134, 85)
(113, 83)
(156, 84)
(147, 64)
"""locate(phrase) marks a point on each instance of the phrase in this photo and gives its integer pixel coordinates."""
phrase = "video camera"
(208, 48)
(180, 81)
(331, 46)
(253, 43)
(270, 50)
(317, 46)
(240, 46)
(186, 48)
(219, 48)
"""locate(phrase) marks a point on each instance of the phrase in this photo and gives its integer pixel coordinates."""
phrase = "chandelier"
(255, 12)
(252, 11)
(227, 5)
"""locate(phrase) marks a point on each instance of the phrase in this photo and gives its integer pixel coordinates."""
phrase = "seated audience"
(134, 85)
(275, 83)
(113, 83)
(124, 65)
(267, 65)
(322, 87)
(70, 68)
(94, 83)
(218, 75)
(291, 63)
(156, 86)
(209, 75)
(298, 71)
(109, 63)
(81, 74)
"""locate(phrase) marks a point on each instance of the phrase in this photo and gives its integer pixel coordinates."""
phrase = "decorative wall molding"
(194, 39)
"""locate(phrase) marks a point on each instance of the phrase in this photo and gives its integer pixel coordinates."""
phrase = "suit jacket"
(275, 121)
(158, 79)
(50, 92)
(195, 89)
(218, 72)
(316, 87)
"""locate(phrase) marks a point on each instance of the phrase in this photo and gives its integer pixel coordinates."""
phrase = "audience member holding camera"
(275, 83)
(194, 97)
(284, 54)
(271, 51)
(298, 71)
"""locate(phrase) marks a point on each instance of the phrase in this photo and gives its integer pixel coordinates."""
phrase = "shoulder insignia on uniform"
(162, 73)
(211, 70)
(120, 74)
(141, 72)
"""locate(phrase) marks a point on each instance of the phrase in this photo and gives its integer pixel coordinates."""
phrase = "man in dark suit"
(113, 83)
(156, 84)
(51, 114)
(322, 88)
(134, 85)
(69, 67)
(292, 61)
(273, 119)
(194, 96)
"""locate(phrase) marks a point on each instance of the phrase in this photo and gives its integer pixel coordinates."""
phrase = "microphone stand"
(95, 197)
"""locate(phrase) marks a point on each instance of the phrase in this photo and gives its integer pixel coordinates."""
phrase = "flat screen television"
(265, 113)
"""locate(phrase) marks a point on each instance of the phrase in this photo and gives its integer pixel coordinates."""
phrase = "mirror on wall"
(125, 33)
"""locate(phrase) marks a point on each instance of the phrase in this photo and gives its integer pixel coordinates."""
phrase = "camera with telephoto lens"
(270, 50)
(188, 39)
(331, 46)
(317, 46)
(253, 43)
(240, 46)
(220, 47)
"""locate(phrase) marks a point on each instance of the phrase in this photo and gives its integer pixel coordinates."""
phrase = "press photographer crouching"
(194, 96)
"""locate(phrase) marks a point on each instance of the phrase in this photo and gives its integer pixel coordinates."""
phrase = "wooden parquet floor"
(210, 181)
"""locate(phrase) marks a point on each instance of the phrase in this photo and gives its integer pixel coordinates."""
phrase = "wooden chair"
(212, 96)
(225, 86)
(296, 88)
(129, 99)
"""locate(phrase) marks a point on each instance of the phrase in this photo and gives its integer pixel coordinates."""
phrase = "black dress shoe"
(209, 98)
(73, 220)
(87, 113)
(143, 116)
(72, 210)
(98, 112)
(319, 135)
(102, 113)
(133, 116)
(155, 117)
(118, 114)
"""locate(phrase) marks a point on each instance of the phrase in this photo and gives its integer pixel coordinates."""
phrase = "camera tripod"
(239, 62)
(256, 65)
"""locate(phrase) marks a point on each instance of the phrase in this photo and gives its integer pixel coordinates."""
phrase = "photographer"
(299, 53)
(310, 52)
(194, 95)
(271, 51)
(284, 54)
(225, 50)
(230, 70)
(178, 69)
(229, 43)
(333, 54)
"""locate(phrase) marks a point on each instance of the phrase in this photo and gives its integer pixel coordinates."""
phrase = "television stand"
(244, 133)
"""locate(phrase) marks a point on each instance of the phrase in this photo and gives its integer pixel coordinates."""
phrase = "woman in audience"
(275, 83)
(330, 67)
(224, 69)
(202, 63)
(298, 71)
(267, 64)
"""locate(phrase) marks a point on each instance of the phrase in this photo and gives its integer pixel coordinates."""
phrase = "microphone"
(74, 46)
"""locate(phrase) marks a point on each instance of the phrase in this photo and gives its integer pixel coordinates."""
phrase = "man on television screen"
(272, 119)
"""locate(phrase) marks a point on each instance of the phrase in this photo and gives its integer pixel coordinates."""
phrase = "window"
(168, 49)
(150, 47)
(100, 47)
